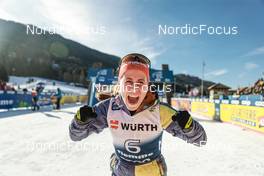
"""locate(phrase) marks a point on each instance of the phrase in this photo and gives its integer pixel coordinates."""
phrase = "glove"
(183, 118)
(85, 113)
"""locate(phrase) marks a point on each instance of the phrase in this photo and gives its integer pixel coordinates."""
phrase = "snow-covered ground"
(21, 82)
(37, 144)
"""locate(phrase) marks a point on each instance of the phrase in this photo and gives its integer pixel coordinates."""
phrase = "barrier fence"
(245, 113)
(11, 99)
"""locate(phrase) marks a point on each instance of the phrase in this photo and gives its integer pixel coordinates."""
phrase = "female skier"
(136, 119)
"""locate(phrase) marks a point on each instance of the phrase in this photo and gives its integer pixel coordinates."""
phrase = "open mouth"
(132, 100)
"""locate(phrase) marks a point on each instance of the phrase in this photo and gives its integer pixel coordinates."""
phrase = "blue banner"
(10, 99)
(161, 76)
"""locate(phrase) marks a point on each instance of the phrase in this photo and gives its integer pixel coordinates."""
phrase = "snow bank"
(37, 144)
(21, 82)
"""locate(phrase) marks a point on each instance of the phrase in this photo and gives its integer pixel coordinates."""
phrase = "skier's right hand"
(85, 113)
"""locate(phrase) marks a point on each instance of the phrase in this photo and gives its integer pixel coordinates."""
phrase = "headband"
(133, 65)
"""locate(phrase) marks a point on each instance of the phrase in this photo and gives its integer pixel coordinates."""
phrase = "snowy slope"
(37, 144)
(21, 82)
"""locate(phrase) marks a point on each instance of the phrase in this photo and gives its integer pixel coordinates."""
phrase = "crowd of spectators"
(5, 87)
(256, 89)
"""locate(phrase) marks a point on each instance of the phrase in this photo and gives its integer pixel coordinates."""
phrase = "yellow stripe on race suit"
(149, 169)
(188, 124)
(166, 114)
(78, 115)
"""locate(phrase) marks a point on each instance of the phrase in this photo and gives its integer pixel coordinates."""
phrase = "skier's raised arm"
(89, 120)
(182, 125)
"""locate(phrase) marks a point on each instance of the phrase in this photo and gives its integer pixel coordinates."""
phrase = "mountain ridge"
(48, 55)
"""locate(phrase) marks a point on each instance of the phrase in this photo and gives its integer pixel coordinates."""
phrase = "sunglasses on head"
(135, 57)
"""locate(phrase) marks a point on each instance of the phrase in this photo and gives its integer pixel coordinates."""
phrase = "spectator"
(24, 90)
(2, 85)
(59, 96)
(35, 100)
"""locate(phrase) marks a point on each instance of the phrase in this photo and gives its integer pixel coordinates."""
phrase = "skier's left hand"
(85, 113)
(184, 119)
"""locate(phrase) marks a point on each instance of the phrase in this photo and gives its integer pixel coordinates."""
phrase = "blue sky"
(132, 26)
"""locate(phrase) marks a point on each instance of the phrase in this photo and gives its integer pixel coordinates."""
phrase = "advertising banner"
(248, 116)
(205, 109)
(181, 104)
